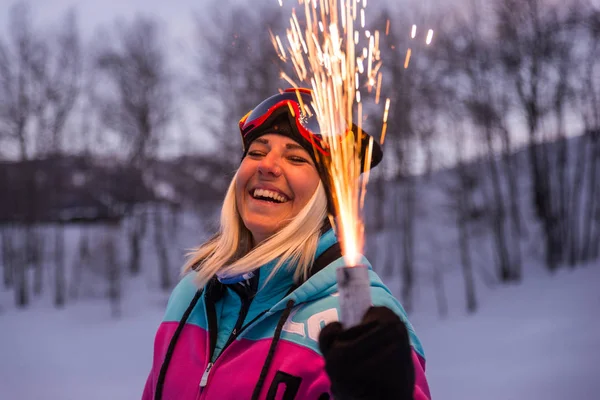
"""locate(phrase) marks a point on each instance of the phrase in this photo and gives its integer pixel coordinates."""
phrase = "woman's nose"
(269, 165)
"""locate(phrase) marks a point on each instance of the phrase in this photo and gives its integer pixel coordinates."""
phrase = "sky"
(177, 19)
(92, 14)
(177, 14)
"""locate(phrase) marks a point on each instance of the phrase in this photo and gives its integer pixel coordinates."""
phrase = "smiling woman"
(245, 321)
(275, 181)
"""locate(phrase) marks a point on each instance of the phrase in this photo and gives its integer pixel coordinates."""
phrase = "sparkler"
(323, 51)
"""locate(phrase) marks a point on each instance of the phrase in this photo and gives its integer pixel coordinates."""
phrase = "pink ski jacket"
(217, 344)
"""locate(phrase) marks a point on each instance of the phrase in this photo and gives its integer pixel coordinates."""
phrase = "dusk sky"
(176, 14)
(177, 17)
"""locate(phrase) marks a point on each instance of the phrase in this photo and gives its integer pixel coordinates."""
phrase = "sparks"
(387, 110)
(429, 37)
(378, 92)
(322, 50)
(407, 59)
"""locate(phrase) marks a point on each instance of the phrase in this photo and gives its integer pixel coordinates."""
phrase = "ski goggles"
(297, 103)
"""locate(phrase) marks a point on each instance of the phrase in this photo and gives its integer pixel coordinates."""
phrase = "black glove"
(372, 360)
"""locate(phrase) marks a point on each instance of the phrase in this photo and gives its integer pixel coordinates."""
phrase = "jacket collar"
(282, 281)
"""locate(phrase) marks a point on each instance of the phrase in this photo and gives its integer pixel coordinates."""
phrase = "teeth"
(270, 194)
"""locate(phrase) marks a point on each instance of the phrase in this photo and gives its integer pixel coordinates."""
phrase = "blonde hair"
(230, 251)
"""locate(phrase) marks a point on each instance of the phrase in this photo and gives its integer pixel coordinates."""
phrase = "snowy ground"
(538, 340)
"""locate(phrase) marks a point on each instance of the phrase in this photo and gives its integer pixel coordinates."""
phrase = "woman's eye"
(255, 153)
(297, 159)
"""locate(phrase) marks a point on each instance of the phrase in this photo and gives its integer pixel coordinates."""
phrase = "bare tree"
(58, 77)
(137, 106)
(237, 67)
(39, 75)
(460, 189)
(468, 182)
(8, 256)
(529, 35)
(82, 258)
(408, 91)
(19, 57)
(57, 73)
(470, 55)
(589, 150)
(440, 291)
(161, 248)
(60, 280)
(113, 270)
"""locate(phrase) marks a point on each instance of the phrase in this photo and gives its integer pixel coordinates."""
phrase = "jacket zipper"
(211, 316)
(213, 329)
(205, 375)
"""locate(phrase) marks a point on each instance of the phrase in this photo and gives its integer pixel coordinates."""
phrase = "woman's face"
(274, 182)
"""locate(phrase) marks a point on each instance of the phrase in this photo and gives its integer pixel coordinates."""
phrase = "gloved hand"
(372, 360)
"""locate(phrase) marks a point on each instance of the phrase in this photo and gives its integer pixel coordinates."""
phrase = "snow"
(80, 352)
(536, 340)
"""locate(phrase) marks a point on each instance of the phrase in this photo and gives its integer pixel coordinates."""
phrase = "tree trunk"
(575, 202)
(408, 242)
(440, 292)
(506, 272)
(35, 250)
(511, 165)
(378, 188)
(389, 258)
(174, 221)
(587, 238)
(516, 225)
(538, 195)
(595, 242)
(8, 258)
(82, 259)
(59, 268)
(161, 251)
(136, 234)
(113, 273)
(551, 219)
(21, 277)
(562, 197)
(550, 225)
(465, 256)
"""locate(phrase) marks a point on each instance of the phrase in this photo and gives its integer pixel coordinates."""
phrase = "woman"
(245, 321)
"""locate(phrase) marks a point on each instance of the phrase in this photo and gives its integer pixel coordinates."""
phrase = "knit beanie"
(283, 124)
